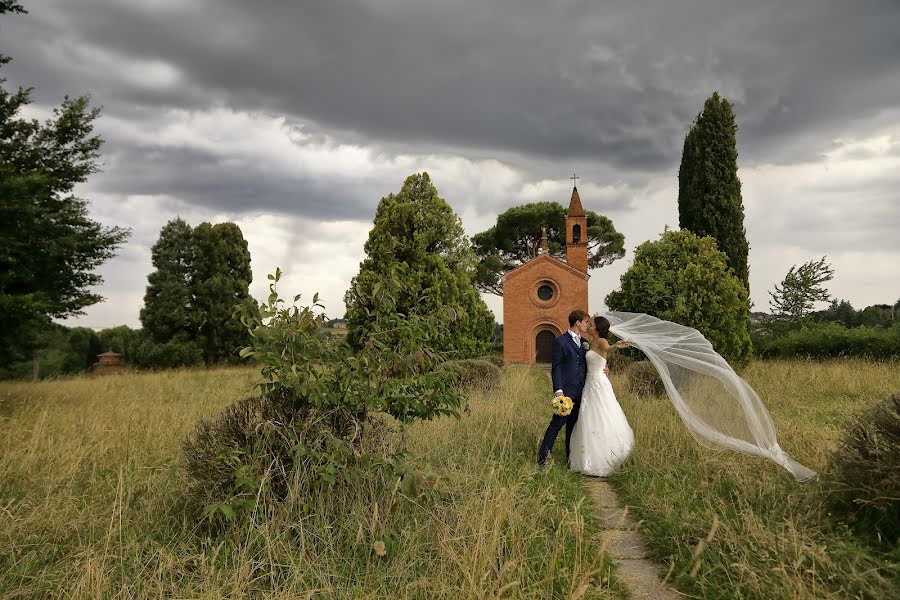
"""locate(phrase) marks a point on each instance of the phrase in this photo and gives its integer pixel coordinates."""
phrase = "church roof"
(541, 259)
(575, 208)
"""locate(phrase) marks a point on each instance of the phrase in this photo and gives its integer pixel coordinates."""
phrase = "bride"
(602, 438)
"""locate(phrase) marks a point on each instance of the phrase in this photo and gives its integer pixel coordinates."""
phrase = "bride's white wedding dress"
(602, 438)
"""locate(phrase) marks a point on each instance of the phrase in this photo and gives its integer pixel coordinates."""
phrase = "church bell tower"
(576, 234)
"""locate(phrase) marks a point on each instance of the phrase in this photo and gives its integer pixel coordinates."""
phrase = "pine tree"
(709, 191)
(167, 303)
(220, 280)
(417, 236)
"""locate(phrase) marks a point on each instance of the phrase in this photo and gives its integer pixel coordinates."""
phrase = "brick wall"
(525, 314)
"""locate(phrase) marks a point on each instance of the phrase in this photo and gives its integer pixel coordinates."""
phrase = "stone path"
(625, 544)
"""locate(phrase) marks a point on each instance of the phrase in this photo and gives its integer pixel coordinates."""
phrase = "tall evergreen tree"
(167, 303)
(417, 236)
(709, 191)
(49, 245)
(220, 281)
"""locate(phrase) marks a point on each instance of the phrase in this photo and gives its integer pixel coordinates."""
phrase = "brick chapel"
(539, 295)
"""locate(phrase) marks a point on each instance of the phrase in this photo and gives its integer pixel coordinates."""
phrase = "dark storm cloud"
(614, 82)
(200, 179)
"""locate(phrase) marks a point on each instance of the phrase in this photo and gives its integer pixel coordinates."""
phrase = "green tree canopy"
(167, 303)
(517, 237)
(49, 246)
(418, 243)
(709, 191)
(800, 289)
(220, 281)
(685, 279)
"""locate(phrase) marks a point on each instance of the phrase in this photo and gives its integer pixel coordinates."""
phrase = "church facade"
(539, 295)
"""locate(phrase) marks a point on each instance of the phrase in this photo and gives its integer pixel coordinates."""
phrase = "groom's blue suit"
(568, 372)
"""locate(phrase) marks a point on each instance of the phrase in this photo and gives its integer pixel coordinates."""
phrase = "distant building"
(539, 295)
(107, 362)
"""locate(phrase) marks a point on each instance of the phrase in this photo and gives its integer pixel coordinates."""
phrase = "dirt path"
(625, 544)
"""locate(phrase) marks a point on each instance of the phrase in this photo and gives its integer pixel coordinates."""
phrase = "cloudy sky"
(293, 118)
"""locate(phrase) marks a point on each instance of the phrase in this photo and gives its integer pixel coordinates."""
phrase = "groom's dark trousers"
(568, 372)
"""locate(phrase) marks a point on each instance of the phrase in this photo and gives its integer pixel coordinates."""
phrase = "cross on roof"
(574, 179)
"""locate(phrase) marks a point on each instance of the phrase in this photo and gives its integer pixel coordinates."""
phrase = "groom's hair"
(575, 316)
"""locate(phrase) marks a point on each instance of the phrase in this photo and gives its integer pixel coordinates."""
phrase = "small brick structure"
(107, 362)
(539, 295)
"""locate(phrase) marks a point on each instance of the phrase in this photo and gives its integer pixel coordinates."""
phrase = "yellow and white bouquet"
(562, 405)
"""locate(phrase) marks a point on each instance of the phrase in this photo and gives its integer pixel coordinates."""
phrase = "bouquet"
(562, 405)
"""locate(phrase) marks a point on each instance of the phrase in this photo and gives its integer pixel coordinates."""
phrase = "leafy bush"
(494, 359)
(828, 340)
(644, 380)
(178, 352)
(685, 279)
(319, 402)
(268, 443)
(866, 471)
(472, 372)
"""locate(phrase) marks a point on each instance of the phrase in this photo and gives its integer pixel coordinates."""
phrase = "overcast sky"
(293, 119)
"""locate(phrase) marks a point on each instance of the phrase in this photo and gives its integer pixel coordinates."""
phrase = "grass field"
(773, 538)
(91, 501)
(91, 504)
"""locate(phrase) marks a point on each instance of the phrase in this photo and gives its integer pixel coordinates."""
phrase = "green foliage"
(220, 281)
(419, 256)
(494, 359)
(322, 402)
(167, 303)
(801, 288)
(63, 351)
(472, 372)
(49, 246)
(828, 340)
(180, 351)
(121, 339)
(865, 472)
(709, 191)
(516, 238)
(684, 278)
(201, 275)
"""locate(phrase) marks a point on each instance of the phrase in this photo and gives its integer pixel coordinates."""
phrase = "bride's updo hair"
(602, 326)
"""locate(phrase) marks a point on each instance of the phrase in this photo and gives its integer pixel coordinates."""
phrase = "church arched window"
(576, 234)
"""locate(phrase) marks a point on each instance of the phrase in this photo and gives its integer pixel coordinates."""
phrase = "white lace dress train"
(602, 438)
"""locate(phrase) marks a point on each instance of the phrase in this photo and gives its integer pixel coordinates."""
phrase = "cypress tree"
(417, 235)
(220, 280)
(709, 191)
(167, 302)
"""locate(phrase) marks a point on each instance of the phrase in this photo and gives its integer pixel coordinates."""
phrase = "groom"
(568, 373)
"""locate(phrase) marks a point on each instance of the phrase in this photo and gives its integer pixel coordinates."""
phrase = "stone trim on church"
(539, 295)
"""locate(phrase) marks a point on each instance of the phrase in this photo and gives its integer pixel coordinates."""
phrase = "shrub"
(270, 444)
(494, 359)
(472, 372)
(312, 426)
(685, 279)
(866, 471)
(644, 380)
(619, 360)
(178, 352)
(829, 340)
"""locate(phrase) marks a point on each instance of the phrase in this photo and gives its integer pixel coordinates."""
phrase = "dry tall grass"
(774, 538)
(91, 504)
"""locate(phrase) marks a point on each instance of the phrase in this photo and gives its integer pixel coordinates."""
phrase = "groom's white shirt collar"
(575, 337)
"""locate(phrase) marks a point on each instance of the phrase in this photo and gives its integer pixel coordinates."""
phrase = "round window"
(545, 292)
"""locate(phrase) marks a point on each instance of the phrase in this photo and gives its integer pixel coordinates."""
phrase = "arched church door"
(543, 346)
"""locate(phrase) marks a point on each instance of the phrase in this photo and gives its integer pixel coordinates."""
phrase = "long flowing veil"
(719, 408)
